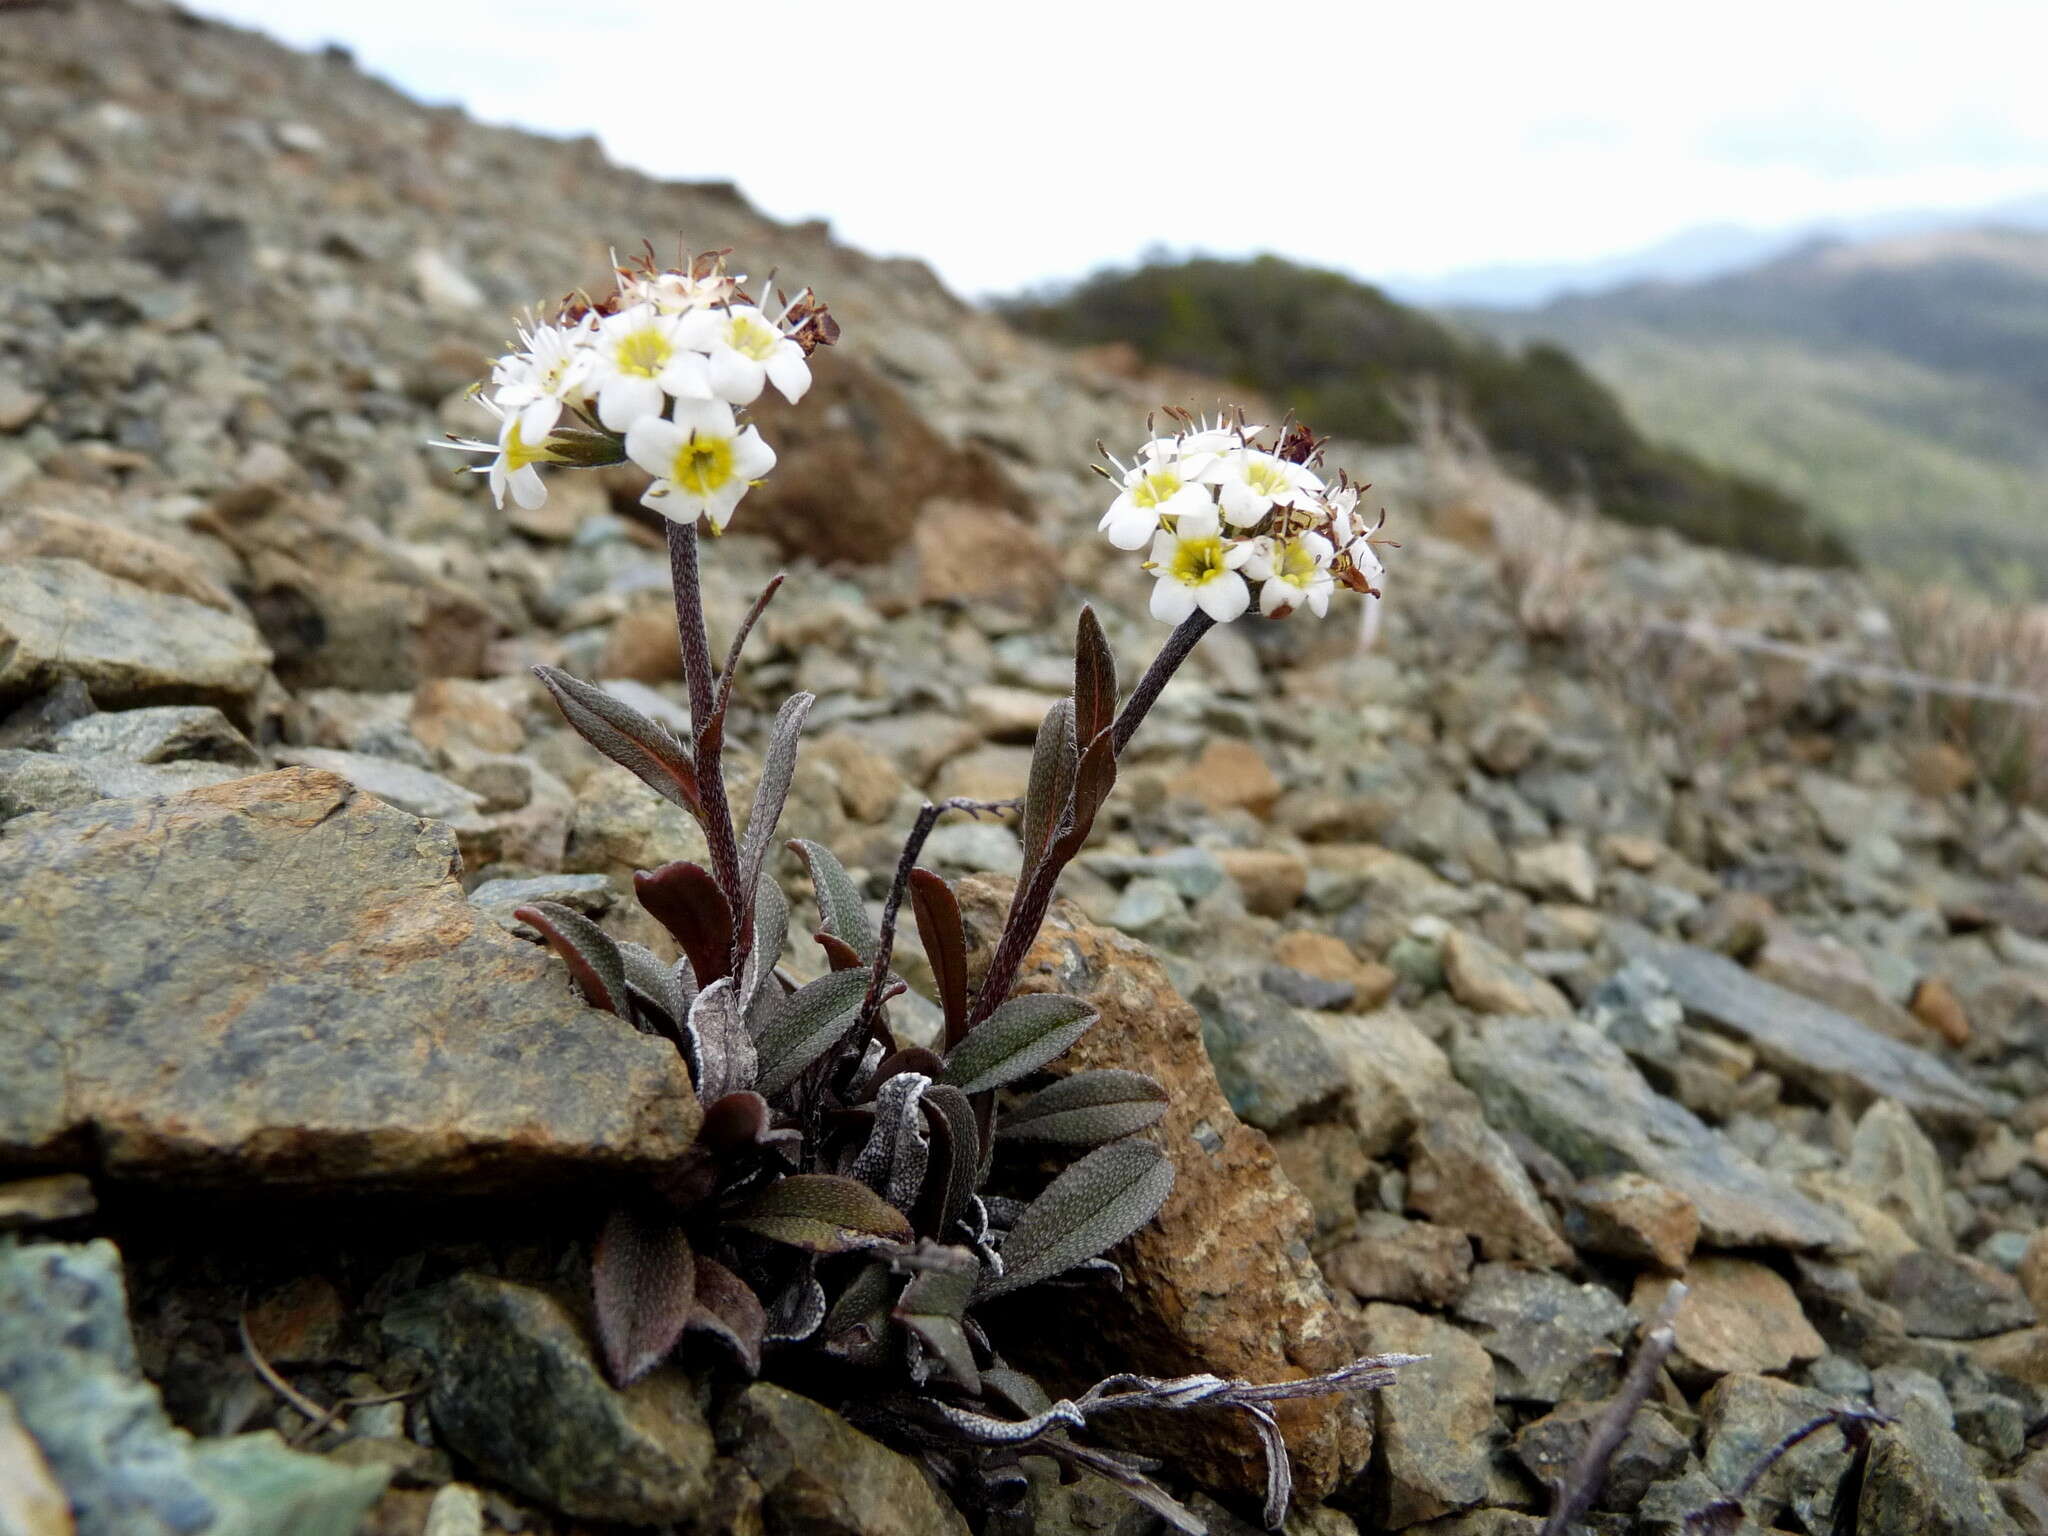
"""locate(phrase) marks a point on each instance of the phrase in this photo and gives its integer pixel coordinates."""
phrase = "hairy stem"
(1179, 646)
(704, 723)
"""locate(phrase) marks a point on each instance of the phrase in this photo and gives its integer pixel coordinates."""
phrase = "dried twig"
(1576, 1493)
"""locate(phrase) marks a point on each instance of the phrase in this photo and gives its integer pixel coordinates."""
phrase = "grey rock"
(1838, 1056)
(1637, 1010)
(1271, 1062)
(819, 1476)
(1742, 1418)
(1463, 1174)
(1551, 1339)
(416, 790)
(1146, 906)
(1892, 1387)
(1192, 871)
(1437, 1428)
(127, 644)
(1486, 980)
(162, 733)
(1306, 991)
(620, 826)
(517, 1389)
(287, 984)
(1920, 1482)
(1952, 1296)
(1992, 1422)
(1390, 1258)
(1650, 1452)
(1897, 1169)
(1571, 1090)
(592, 895)
(68, 1364)
(974, 847)
(46, 781)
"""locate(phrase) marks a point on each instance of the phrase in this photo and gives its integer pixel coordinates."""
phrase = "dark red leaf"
(728, 1309)
(912, 1058)
(686, 900)
(644, 1280)
(593, 958)
(945, 945)
(737, 1120)
(1094, 679)
(839, 953)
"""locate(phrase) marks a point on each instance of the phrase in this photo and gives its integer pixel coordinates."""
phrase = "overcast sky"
(1007, 144)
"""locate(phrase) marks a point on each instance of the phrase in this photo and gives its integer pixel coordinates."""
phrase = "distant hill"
(1344, 356)
(1900, 386)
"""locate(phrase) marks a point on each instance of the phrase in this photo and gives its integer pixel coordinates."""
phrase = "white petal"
(1319, 599)
(653, 444)
(661, 497)
(721, 502)
(625, 399)
(700, 330)
(528, 489)
(703, 418)
(788, 371)
(687, 377)
(1130, 527)
(1163, 546)
(751, 457)
(1224, 598)
(736, 377)
(1171, 602)
(1277, 595)
(537, 418)
(1241, 505)
(1188, 501)
(1199, 524)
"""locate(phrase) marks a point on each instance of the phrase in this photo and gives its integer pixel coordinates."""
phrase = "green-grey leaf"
(807, 1023)
(933, 1305)
(778, 767)
(654, 981)
(1052, 777)
(1094, 1205)
(592, 956)
(1016, 1040)
(1087, 1109)
(642, 746)
(841, 912)
(823, 1213)
(771, 928)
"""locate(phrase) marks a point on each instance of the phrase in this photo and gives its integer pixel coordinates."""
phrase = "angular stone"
(1222, 1280)
(1953, 1296)
(1743, 1417)
(1737, 1316)
(48, 781)
(127, 644)
(1330, 959)
(1551, 1338)
(1627, 1216)
(1269, 1059)
(1398, 1076)
(32, 1503)
(1324, 1161)
(121, 552)
(287, 985)
(48, 1198)
(1393, 1259)
(970, 553)
(818, 1474)
(400, 785)
(1229, 775)
(1436, 1420)
(1832, 1053)
(1271, 879)
(516, 1389)
(1462, 1174)
(1571, 1090)
(68, 1365)
(1829, 971)
(1650, 1452)
(1897, 1169)
(1562, 871)
(164, 733)
(1485, 980)
(621, 826)
(1920, 1482)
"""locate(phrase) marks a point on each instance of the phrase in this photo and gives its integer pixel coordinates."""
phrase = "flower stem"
(1178, 647)
(705, 724)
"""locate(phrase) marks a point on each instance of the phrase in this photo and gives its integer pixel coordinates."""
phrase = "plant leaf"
(739, 1119)
(1092, 1206)
(912, 1058)
(807, 1023)
(1094, 678)
(934, 1307)
(655, 986)
(643, 1277)
(627, 737)
(771, 932)
(939, 928)
(1016, 1040)
(730, 670)
(685, 899)
(955, 1160)
(1094, 778)
(822, 1213)
(797, 1310)
(841, 912)
(727, 1059)
(1087, 1109)
(839, 954)
(1021, 1392)
(893, 1162)
(593, 958)
(728, 1309)
(1052, 778)
(857, 1328)
(778, 768)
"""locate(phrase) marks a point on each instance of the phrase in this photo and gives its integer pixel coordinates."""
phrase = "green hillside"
(1345, 357)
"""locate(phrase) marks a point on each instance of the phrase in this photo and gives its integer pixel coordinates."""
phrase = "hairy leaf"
(655, 986)
(807, 1023)
(1052, 779)
(841, 912)
(1020, 1391)
(1128, 1476)
(644, 1279)
(822, 1213)
(912, 1058)
(1094, 678)
(593, 958)
(945, 945)
(1092, 1206)
(955, 1160)
(857, 1328)
(728, 1309)
(685, 899)
(1087, 1109)
(777, 769)
(627, 737)
(934, 1306)
(839, 954)
(1094, 778)
(731, 669)
(739, 1119)
(1016, 1040)
(727, 1059)
(796, 1311)
(892, 1163)
(771, 931)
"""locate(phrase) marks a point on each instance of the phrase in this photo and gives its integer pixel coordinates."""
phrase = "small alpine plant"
(834, 1220)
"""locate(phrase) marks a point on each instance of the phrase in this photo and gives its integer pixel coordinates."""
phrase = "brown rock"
(1937, 769)
(1487, 981)
(1328, 958)
(2033, 1271)
(298, 1323)
(452, 715)
(1462, 1174)
(1229, 775)
(972, 553)
(32, 1501)
(1628, 1216)
(855, 463)
(1270, 879)
(1936, 1005)
(1394, 1259)
(642, 645)
(125, 553)
(1436, 1424)
(820, 1476)
(51, 1197)
(1326, 1162)
(1008, 714)
(1829, 971)
(986, 773)
(288, 985)
(1398, 1076)
(1222, 1281)
(1562, 870)
(868, 781)
(1735, 923)
(1737, 1316)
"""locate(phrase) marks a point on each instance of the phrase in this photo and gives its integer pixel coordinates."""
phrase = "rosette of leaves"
(837, 1210)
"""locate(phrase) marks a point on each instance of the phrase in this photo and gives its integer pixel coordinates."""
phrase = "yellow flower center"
(1156, 489)
(751, 337)
(1264, 479)
(702, 465)
(644, 352)
(1196, 562)
(518, 452)
(1296, 563)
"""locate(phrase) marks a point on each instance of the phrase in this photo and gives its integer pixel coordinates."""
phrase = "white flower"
(746, 350)
(678, 293)
(1254, 482)
(1294, 571)
(547, 371)
(1196, 569)
(639, 360)
(1151, 491)
(513, 457)
(1196, 452)
(701, 461)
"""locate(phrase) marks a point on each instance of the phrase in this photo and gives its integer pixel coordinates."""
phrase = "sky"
(1016, 144)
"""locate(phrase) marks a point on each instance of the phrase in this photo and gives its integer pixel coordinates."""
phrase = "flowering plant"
(836, 1207)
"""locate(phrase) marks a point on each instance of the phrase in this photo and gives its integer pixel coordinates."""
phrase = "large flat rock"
(278, 979)
(1810, 1042)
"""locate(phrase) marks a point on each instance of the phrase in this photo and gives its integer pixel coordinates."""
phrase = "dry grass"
(1998, 653)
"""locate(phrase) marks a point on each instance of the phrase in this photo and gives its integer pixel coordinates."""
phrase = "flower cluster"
(654, 373)
(1227, 517)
